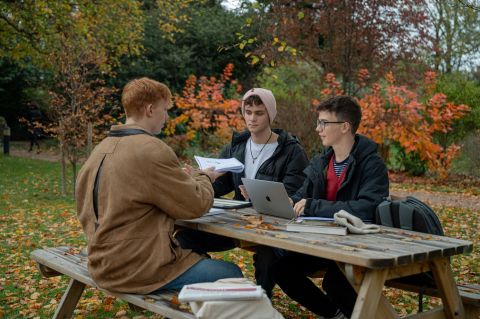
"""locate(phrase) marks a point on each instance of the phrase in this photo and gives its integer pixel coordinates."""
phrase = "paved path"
(442, 198)
(44, 155)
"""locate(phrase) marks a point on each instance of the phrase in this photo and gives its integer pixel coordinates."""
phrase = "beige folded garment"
(238, 309)
(354, 224)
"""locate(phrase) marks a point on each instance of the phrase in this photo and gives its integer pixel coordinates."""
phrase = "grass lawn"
(34, 214)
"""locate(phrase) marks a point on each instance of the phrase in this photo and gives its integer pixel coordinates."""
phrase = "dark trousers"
(33, 140)
(263, 259)
(291, 273)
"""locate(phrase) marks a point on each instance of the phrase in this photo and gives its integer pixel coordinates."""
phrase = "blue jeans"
(206, 270)
(263, 259)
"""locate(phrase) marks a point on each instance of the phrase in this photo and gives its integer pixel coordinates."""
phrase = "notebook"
(225, 203)
(269, 198)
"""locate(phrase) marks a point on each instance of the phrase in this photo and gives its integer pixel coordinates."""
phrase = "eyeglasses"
(322, 123)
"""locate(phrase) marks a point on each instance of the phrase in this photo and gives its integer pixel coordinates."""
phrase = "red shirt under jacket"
(334, 181)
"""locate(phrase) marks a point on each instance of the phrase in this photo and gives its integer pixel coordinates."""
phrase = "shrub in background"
(294, 87)
(469, 160)
(460, 90)
(205, 114)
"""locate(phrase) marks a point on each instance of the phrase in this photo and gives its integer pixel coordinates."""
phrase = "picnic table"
(367, 261)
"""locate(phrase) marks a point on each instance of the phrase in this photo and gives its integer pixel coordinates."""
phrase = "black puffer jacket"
(364, 187)
(286, 165)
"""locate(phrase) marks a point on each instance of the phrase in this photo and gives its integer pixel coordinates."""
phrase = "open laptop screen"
(269, 197)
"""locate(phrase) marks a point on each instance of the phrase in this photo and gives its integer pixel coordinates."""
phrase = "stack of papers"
(219, 291)
(221, 164)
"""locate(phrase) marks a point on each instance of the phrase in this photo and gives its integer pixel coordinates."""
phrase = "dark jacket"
(364, 187)
(286, 165)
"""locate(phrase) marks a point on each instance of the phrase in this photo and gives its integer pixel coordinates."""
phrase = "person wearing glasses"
(349, 174)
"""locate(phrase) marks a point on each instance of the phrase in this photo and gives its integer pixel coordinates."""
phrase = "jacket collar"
(362, 148)
(119, 127)
(284, 138)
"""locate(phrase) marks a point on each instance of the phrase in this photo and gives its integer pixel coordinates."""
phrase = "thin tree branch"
(467, 4)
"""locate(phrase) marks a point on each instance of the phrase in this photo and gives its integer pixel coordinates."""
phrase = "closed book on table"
(316, 226)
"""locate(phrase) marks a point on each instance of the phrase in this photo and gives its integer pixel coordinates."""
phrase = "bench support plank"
(61, 261)
(447, 287)
(69, 300)
(437, 313)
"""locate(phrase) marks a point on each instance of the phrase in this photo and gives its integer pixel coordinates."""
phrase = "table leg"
(452, 303)
(69, 300)
(369, 294)
(356, 276)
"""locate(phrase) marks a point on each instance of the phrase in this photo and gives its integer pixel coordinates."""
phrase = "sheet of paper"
(220, 164)
(215, 211)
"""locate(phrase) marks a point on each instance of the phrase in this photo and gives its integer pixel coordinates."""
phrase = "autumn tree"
(77, 42)
(343, 36)
(207, 112)
(32, 30)
(80, 106)
(411, 119)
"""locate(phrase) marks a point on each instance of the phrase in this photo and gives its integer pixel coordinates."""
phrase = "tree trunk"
(74, 176)
(73, 161)
(64, 169)
(89, 138)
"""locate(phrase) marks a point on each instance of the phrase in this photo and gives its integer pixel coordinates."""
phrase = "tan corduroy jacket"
(142, 191)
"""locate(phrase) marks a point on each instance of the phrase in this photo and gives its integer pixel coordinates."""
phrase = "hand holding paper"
(220, 164)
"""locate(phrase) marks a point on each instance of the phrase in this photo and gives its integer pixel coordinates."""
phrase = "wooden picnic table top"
(389, 248)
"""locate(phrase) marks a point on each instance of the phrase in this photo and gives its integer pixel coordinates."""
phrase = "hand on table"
(299, 207)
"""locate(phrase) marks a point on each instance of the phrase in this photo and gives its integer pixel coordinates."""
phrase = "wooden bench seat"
(72, 263)
(470, 294)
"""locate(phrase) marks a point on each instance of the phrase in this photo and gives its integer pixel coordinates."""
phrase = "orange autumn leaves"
(206, 110)
(413, 119)
(392, 113)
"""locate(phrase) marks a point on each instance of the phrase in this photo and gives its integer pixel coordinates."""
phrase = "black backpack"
(408, 213)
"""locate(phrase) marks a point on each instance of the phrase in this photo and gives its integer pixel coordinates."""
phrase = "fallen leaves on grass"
(33, 214)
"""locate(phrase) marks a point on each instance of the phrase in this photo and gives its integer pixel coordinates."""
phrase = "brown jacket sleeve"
(175, 192)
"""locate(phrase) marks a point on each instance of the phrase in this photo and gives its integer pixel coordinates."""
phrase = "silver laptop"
(269, 198)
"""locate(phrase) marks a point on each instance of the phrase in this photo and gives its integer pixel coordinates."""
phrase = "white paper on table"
(215, 211)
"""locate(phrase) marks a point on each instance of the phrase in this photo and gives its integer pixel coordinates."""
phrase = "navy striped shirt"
(339, 167)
